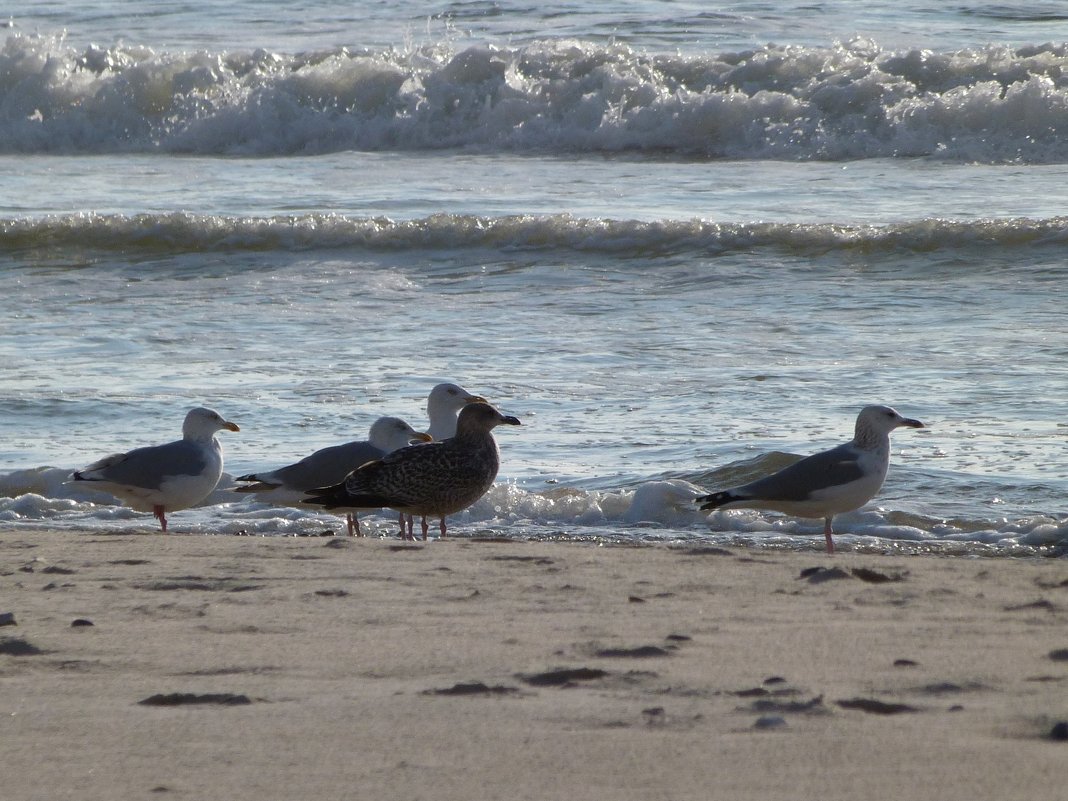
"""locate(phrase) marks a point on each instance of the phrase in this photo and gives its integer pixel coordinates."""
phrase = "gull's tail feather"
(717, 499)
(259, 486)
(337, 496)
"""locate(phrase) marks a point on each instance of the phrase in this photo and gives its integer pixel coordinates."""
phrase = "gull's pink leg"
(425, 528)
(443, 532)
(157, 512)
(354, 525)
(827, 533)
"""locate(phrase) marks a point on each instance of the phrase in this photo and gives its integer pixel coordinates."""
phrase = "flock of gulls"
(447, 468)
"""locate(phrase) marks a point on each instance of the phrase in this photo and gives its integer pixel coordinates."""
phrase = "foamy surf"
(654, 511)
(850, 100)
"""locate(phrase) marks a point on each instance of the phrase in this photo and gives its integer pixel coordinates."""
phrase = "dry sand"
(366, 669)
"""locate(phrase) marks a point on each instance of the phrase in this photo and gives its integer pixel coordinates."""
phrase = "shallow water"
(674, 260)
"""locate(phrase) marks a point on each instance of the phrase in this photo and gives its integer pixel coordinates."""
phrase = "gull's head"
(882, 420)
(390, 433)
(442, 406)
(450, 398)
(200, 423)
(479, 417)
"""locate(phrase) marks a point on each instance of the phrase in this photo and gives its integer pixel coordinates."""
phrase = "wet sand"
(269, 668)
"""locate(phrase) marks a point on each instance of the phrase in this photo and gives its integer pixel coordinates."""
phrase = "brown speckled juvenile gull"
(165, 478)
(827, 483)
(287, 485)
(443, 404)
(438, 479)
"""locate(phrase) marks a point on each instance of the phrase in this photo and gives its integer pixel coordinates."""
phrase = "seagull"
(327, 466)
(439, 478)
(166, 478)
(827, 483)
(442, 407)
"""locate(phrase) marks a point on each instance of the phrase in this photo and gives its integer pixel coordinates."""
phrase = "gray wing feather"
(813, 473)
(148, 467)
(325, 467)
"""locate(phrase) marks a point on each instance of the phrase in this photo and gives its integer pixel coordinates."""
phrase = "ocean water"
(683, 242)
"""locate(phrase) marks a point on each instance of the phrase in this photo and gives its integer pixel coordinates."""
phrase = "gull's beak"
(230, 426)
(420, 436)
(908, 422)
(475, 399)
(512, 421)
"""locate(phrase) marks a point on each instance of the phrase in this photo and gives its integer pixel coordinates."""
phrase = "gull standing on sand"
(327, 466)
(165, 478)
(827, 483)
(442, 407)
(439, 478)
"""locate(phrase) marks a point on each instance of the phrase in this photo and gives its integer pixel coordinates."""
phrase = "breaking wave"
(852, 100)
(184, 232)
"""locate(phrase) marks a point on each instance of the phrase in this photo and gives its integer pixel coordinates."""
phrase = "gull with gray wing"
(165, 478)
(288, 485)
(827, 483)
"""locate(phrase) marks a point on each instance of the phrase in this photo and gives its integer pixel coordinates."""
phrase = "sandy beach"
(193, 667)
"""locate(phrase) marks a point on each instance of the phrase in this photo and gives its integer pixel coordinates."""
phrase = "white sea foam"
(652, 511)
(851, 100)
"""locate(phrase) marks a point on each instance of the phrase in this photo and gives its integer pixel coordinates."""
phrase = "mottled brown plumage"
(440, 478)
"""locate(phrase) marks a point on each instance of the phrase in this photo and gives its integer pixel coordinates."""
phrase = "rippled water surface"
(682, 242)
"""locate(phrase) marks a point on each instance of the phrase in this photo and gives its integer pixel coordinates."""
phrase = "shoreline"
(285, 667)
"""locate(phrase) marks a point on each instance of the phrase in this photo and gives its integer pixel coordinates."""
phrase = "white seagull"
(827, 483)
(287, 485)
(165, 478)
